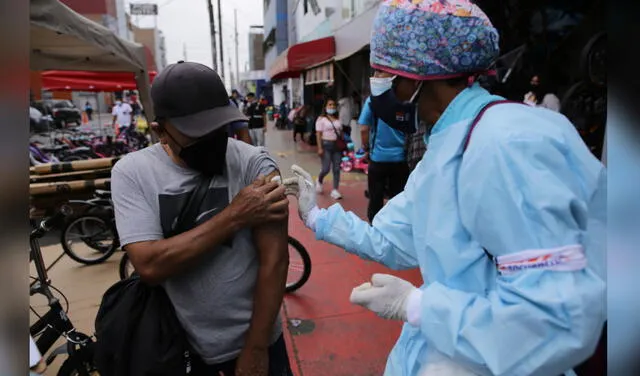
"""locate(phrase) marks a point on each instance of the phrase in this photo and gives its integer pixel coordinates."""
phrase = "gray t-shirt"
(213, 300)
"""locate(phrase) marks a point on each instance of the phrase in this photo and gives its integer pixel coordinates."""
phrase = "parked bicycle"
(55, 323)
(90, 237)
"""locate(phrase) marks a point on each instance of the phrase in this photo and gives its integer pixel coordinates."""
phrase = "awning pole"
(348, 79)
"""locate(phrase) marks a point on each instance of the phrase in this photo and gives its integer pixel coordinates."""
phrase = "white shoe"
(336, 195)
(318, 187)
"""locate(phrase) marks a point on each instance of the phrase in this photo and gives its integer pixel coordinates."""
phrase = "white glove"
(305, 192)
(387, 296)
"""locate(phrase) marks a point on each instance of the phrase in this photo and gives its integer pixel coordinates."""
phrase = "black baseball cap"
(193, 97)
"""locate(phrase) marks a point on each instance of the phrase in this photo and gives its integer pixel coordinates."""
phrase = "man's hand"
(320, 151)
(253, 362)
(260, 202)
(305, 193)
(387, 296)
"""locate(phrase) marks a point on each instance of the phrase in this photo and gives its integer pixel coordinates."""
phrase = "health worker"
(504, 215)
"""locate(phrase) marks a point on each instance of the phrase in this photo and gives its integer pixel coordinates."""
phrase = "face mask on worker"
(207, 155)
(399, 115)
(331, 111)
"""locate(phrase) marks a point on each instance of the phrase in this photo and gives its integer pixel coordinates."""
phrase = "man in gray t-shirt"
(226, 276)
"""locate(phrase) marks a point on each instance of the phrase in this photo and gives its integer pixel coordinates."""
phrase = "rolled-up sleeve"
(517, 195)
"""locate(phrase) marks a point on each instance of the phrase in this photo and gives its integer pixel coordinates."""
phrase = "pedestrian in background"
(388, 169)
(89, 110)
(257, 115)
(329, 130)
(300, 122)
(416, 146)
(122, 115)
(541, 94)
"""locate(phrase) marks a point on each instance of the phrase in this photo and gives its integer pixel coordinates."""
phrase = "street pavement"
(324, 332)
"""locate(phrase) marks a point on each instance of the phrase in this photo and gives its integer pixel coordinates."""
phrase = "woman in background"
(300, 123)
(329, 129)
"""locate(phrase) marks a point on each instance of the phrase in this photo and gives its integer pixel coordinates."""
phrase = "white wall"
(278, 95)
(312, 26)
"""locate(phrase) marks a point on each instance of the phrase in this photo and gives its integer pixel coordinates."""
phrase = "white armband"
(564, 259)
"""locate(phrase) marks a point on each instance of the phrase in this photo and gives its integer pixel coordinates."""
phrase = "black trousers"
(278, 363)
(389, 177)
(346, 129)
(299, 130)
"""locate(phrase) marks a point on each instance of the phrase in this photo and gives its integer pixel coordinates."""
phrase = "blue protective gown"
(526, 181)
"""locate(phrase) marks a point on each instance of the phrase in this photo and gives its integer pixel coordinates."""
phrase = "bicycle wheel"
(126, 268)
(299, 266)
(89, 239)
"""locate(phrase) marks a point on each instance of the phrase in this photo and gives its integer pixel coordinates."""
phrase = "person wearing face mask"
(505, 215)
(539, 95)
(388, 168)
(225, 277)
(329, 130)
(257, 114)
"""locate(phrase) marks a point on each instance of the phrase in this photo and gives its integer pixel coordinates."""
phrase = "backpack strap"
(466, 144)
(479, 116)
(374, 131)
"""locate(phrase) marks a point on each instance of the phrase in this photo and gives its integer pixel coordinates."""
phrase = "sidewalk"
(325, 333)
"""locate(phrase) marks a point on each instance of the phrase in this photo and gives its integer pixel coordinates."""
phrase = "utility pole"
(235, 26)
(220, 36)
(232, 82)
(212, 25)
(184, 51)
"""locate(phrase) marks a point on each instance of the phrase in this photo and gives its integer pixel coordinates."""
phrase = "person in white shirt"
(539, 95)
(122, 115)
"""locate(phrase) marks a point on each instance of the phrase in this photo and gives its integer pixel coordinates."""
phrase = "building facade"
(256, 52)
(153, 39)
(327, 50)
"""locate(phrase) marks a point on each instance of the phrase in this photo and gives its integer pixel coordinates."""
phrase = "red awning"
(90, 81)
(299, 57)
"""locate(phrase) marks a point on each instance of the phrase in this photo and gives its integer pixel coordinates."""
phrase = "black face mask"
(401, 116)
(207, 155)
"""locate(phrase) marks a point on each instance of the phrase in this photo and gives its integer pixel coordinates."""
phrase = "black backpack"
(137, 331)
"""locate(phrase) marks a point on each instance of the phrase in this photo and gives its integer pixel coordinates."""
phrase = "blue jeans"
(331, 160)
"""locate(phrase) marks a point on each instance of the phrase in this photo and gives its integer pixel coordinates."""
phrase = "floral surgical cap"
(432, 39)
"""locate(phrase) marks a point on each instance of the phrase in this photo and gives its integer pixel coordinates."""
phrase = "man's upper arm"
(136, 219)
(271, 236)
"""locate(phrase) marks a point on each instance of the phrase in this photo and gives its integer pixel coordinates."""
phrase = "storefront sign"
(144, 9)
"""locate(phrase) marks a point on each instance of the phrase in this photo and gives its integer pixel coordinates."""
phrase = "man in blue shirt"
(388, 169)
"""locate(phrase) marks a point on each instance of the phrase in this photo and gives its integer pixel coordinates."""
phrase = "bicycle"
(55, 323)
(297, 275)
(91, 237)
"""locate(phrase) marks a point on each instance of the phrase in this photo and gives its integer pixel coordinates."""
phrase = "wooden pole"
(53, 168)
(37, 189)
(85, 174)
